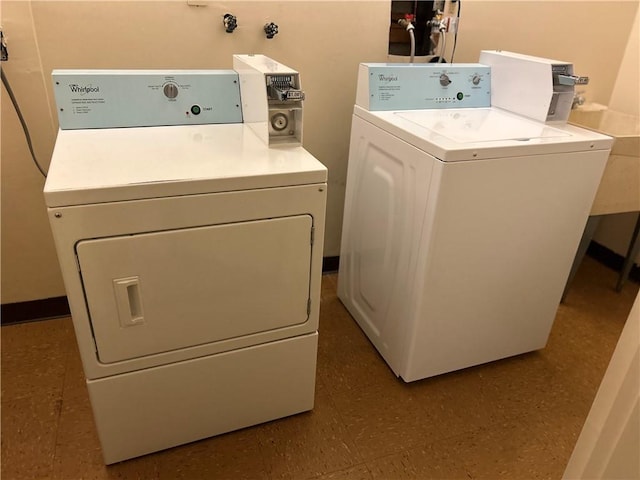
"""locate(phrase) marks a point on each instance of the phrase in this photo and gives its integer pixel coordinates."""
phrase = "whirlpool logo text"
(83, 90)
(387, 78)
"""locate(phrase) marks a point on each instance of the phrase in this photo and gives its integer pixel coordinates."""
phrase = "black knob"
(271, 29)
(230, 22)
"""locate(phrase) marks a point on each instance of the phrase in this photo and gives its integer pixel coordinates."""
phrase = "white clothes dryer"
(460, 224)
(191, 254)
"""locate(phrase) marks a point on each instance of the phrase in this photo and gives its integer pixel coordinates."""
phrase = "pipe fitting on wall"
(407, 22)
(4, 53)
(271, 30)
(230, 22)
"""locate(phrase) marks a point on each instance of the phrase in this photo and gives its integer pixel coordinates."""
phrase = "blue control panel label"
(142, 98)
(428, 85)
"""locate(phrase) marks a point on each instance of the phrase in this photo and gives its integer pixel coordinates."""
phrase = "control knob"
(444, 80)
(170, 90)
(476, 79)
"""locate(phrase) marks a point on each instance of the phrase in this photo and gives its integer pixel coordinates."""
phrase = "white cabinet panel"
(385, 205)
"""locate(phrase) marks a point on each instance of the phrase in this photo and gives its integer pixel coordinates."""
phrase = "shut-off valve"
(230, 22)
(271, 30)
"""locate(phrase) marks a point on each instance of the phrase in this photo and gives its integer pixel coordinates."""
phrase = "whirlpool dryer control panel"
(143, 98)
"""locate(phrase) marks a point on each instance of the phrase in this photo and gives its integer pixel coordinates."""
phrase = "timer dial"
(170, 90)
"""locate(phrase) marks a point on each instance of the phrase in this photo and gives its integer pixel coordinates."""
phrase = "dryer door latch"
(129, 301)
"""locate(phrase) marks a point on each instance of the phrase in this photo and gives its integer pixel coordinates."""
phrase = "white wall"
(28, 260)
(323, 40)
(590, 34)
(625, 97)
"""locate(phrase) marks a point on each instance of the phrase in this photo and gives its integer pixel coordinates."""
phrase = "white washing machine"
(191, 250)
(460, 224)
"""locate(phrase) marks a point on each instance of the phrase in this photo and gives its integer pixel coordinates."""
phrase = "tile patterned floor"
(517, 418)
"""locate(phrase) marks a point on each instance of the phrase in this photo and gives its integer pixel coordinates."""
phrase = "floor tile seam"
(43, 341)
(39, 359)
(21, 398)
(389, 455)
(522, 417)
(64, 390)
(340, 420)
(364, 464)
(452, 460)
(54, 396)
(443, 432)
(469, 466)
(462, 461)
(266, 466)
(354, 448)
(423, 405)
(560, 373)
(423, 428)
(262, 445)
(395, 451)
(434, 430)
(530, 416)
(448, 438)
(50, 464)
(67, 361)
(57, 434)
(356, 465)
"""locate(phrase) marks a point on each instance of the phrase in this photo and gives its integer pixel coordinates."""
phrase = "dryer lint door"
(156, 292)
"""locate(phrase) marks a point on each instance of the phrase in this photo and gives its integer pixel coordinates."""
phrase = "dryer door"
(162, 291)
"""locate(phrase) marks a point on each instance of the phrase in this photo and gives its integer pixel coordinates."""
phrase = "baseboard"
(330, 264)
(45, 309)
(611, 259)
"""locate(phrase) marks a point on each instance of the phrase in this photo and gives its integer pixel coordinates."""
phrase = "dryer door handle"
(129, 301)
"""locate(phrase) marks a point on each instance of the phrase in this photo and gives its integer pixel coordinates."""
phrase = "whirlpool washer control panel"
(403, 86)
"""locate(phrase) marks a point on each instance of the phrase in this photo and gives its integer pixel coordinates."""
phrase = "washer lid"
(107, 165)
(481, 133)
(480, 126)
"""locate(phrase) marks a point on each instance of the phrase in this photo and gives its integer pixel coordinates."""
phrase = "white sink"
(619, 189)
